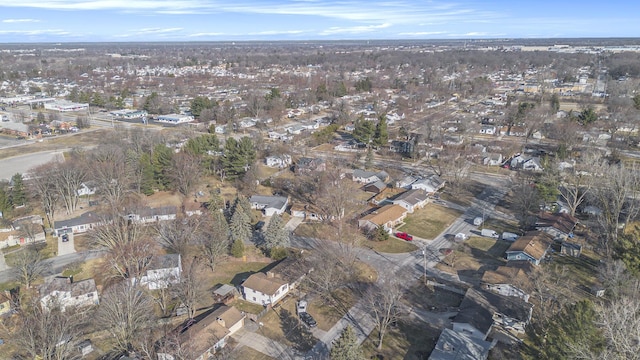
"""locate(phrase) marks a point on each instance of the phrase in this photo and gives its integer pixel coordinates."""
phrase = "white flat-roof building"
(175, 118)
(65, 106)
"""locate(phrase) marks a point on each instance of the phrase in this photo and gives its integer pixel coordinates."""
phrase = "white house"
(77, 225)
(278, 161)
(269, 205)
(85, 190)
(367, 177)
(412, 199)
(161, 272)
(493, 159)
(453, 345)
(220, 129)
(431, 184)
(150, 215)
(264, 289)
(506, 281)
(64, 292)
(488, 130)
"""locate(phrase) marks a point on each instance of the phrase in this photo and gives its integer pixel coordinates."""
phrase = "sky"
(237, 20)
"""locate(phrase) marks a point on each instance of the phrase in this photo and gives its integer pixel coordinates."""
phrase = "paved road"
(23, 163)
(56, 264)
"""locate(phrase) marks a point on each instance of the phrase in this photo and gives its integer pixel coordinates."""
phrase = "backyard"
(429, 222)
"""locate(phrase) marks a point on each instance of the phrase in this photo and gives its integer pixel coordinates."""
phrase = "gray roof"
(454, 345)
(89, 217)
(168, 261)
(274, 202)
(63, 284)
(163, 210)
(479, 306)
(357, 173)
(412, 197)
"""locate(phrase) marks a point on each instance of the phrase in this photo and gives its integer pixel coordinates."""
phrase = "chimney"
(270, 275)
(221, 322)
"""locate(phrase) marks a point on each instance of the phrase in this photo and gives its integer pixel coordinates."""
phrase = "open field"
(429, 222)
(82, 138)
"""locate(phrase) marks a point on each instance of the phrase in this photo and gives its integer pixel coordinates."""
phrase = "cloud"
(422, 33)
(353, 29)
(20, 20)
(35, 32)
(278, 32)
(158, 30)
(206, 34)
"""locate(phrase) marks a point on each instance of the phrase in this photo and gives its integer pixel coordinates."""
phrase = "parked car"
(301, 306)
(65, 237)
(308, 319)
(404, 236)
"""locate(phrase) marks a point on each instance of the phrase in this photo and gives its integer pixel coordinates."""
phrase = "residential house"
(162, 271)
(64, 292)
(493, 159)
(307, 212)
(247, 123)
(220, 129)
(202, 339)
(191, 208)
(523, 162)
(507, 281)
(531, 247)
(488, 130)
(366, 177)
(481, 311)
(430, 184)
(406, 182)
(559, 226)
(387, 216)
(453, 345)
(86, 190)
(412, 199)
(306, 165)
(278, 161)
(269, 205)
(264, 289)
(375, 187)
(292, 269)
(77, 225)
(151, 215)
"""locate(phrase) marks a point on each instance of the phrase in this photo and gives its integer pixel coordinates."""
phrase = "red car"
(404, 236)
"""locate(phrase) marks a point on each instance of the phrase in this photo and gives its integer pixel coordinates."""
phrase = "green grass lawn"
(391, 246)
(429, 222)
(248, 307)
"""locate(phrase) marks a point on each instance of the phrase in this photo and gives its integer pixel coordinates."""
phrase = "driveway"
(66, 247)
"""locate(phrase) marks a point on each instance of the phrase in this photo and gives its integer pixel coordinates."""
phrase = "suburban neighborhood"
(330, 200)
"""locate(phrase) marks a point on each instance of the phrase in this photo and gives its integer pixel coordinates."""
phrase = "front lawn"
(429, 222)
(234, 272)
(327, 314)
(391, 246)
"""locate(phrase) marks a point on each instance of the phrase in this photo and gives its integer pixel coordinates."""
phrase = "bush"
(278, 253)
(237, 248)
(379, 234)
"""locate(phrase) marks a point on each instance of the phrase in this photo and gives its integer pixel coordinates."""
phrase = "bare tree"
(186, 172)
(109, 170)
(68, 177)
(214, 242)
(128, 243)
(49, 333)
(29, 230)
(574, 189)
(383, 302)
(42, 183)
(28, 265)
(191, 288)
(617, 197)
(176, 235)
(125, 311)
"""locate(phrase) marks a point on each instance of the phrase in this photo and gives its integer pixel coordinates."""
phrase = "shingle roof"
(562, 222)
(385, 214)
(534, 244)
(89, 217)
(454, 345)
(412, 197)
(479, 306)
(275, 202)
(264, 284)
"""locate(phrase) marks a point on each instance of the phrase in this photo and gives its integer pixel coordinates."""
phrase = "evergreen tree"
(203, 144)
(363, 131)
(346, 346)
(368, 160)
(381, 135)
(201, 103)
(240, 224)
(276, 235)
(238, 157)
(554, 102)
(237, 248)
(162, 163)
(5, 203)
(147, 178)
(18, 192)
